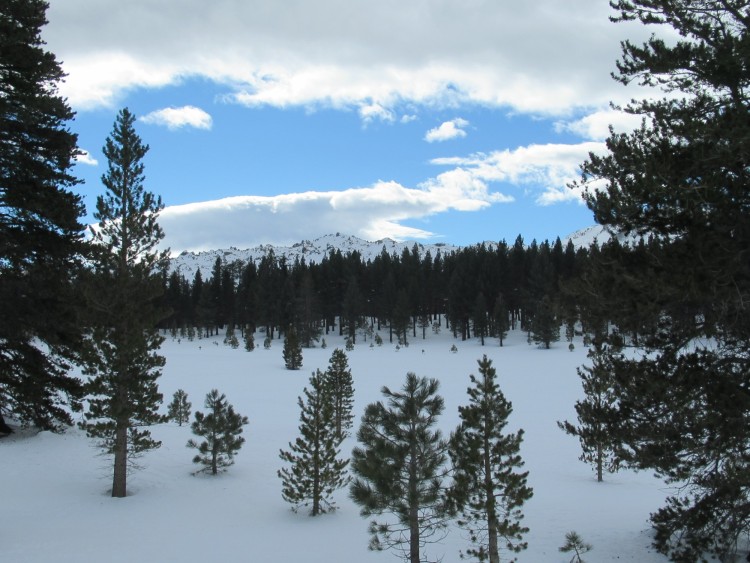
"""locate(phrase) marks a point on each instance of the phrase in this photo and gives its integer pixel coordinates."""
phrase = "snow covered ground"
(54, 488)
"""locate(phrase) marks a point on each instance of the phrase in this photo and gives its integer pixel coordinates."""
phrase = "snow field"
(56, 505)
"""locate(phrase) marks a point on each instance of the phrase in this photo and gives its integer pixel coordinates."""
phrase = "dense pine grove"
(479, 292)
(476, 292)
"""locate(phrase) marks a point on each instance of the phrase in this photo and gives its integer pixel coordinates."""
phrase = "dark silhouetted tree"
(292, 352)
(40, 231)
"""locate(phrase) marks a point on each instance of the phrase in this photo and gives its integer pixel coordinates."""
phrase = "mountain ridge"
(314, 251)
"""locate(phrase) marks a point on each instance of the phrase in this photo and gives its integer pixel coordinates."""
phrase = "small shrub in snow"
(179, 409)
(222, 429)
(454, 349)
(575, 543)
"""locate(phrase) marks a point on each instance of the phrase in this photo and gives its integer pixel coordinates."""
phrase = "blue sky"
(270, 122)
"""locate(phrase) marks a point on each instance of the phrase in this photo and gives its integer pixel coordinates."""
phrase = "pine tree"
(575, 543)
(40, 231)
(222, 428)
(400, 466)
(249, 340)
(502, 324)
(596, 413)
(545, 327)
(682, 178)
(489, 490)
(315, 471)
(480, 317)
(339, 381)
(292, 351)
(230, 338)
(179, 409)
(123, 291)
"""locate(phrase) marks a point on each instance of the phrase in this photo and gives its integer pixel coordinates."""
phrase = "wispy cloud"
(543, 169)
(177, 118)
(86, 158)
(375, 111)
(372, 213)
(447, 130)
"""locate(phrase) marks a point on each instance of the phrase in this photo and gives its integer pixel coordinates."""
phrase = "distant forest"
(480, 292)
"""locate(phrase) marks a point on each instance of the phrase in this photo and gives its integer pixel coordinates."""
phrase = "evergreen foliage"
(123, 288)
(399, 468)
(489, 490)
(575, 543)
(41, 237)
(315, 471)
(597, 413)
(545, 327)
(292, 351)
(249, 340)
(681, 178)
(179, 409)
(340, 384)
(221, 429)
(230, 338)
(502, 324)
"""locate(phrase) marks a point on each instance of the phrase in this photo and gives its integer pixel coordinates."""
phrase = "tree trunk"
(215, 455)
(316, 480)
(489, 491)
(599, 462)
(119, 479)
(413, 507)
(4, 428)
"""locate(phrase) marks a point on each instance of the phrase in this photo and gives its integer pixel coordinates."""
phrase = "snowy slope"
(54, 487)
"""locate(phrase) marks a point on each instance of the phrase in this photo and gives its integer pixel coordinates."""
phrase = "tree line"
(480, 291)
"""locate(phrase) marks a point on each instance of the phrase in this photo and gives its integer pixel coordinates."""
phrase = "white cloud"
(447, 130)
(86, 158)
(546, 170)
(176, 118)
(540, 57)
(373, 213)
(595, 126)
(371, 112)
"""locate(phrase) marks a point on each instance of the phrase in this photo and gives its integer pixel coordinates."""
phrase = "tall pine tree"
(683, 177)
(123, 291)
(292, 352)
(40, 230)
(315, 471)
(400, 466)
(340, 384)
(489, 489)
(597, 413)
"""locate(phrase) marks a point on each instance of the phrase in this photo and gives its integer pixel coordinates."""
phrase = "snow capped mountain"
(313, 251)
(599, 234)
